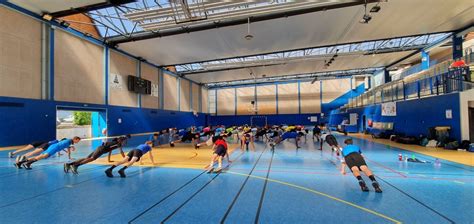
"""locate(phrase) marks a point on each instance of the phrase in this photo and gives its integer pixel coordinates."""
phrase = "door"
(364, 123)
(471, 124)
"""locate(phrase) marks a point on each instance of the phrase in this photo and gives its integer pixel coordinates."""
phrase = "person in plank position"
(288, 135)
(356, 163)
(132, 157)
(189, 136)
(220, 149)
(33, 145)
(331, 141)
(38, 150)
(107, 147)
(65, 144)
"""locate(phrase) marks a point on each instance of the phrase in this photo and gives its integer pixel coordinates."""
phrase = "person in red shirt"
(220, 150)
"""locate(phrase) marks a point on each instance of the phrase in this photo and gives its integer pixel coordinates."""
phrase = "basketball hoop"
(252, 109)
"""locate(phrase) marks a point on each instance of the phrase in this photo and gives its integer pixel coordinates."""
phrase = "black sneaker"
(363, 187)
(108, 172)
(122, 173)
(171, 144)
(27, 166)
(18, 165)
(377, 187)
(10, 155)
(66, 168)
(74, 169)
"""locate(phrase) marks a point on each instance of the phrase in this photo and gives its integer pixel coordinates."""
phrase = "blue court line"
(192, 196)
(321, 194)
(51, 191)
(262, 196)
(166, 197)
(418, 201)
(171, 194)
(241, 188)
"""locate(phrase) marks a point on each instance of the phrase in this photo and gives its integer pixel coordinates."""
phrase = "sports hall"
(200, 111)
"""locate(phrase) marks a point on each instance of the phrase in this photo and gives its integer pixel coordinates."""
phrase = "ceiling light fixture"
(64, 24)
(248, 36)
(366, 18)
(375, 9)
(47, 17)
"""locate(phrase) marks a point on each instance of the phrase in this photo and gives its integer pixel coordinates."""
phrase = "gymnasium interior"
(202, 111)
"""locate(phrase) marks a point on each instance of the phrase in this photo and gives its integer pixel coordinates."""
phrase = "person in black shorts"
(356, 163)
(188, 136)
(317, 133)
(133, 156)
(106, 147)
(220, 151)
(43, 146)
(30, 146)
(331, 141)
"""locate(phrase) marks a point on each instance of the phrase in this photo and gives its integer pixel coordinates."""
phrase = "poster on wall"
(389, 109)
(154, 90)
(449, 114)
(116, 81)
(313, 119)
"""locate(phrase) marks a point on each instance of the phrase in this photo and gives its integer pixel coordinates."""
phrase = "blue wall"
(301, 119)
(414, 117)
(26, 120)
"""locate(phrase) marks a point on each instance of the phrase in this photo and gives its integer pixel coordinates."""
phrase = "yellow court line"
(320, 193)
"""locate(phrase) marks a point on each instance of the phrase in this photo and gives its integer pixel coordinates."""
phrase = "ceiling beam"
(235, 22)
(87, 8)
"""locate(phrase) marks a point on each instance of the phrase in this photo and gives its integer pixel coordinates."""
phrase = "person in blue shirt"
(33, 145)
(64, 144)
(356, 163)
(132, 157)
(38, 147)
(155, 139)
(287, 135)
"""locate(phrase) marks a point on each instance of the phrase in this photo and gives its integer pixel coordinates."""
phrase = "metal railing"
(453, 80)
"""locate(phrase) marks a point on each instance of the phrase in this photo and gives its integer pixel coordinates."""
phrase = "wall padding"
(149, 72)
(226, 101)
(288, 98)
(205, 100)
(124, 66)
(20, 55)
(332, 89)
(244, 97)
(196, 96)
(310, 97)
(184, 97)
(170, 92)
(266, 99)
